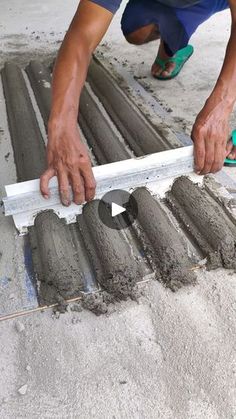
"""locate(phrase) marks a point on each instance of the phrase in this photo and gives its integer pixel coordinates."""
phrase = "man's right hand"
(67, 156)
(68, 159)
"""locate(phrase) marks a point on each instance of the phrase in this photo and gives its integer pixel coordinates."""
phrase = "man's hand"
(66, 154)
(211, 130)
(210, 135)
(68, 160)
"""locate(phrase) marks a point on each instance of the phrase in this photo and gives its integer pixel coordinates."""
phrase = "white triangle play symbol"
(116, 209)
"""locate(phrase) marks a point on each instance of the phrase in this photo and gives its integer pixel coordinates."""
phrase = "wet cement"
(58, 270)
(206, 221)
(24, 129)
(117, 269)
(99, 132)
(164, 245)
(98, 303)
(40, 80)
(139, 133)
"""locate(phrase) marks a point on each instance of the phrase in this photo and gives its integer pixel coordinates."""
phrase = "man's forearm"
(68, 78)
(86, 30)
(67, 156)
(224, 92)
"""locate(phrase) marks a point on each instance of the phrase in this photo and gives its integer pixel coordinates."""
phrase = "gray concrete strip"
(165, 248)
(58, 257)
(23, 125)
(92, 118)
(40, 80)
(206, 221)
(105, 141)
(118, 268)
(139, 133)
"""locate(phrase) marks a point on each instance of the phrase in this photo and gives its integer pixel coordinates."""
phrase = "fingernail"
(45, 196)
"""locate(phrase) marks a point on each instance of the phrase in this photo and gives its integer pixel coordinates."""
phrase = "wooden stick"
(35, 310)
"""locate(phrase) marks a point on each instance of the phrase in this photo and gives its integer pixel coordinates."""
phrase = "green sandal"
(179, 59)
(231, 162)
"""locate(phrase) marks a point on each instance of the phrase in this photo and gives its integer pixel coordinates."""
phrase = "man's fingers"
(89, 184)
(199, 151)
(64, 187)
(219, 157)
(44, 181)
(77, 184)
(209, 156)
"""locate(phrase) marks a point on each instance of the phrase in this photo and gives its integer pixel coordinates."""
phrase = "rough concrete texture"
(99, 303)
(40, 79)
(206, 221)
(23, 125)
(92, 121)
(117, 269)
(56, 259)
(119, 106)
(164, 246)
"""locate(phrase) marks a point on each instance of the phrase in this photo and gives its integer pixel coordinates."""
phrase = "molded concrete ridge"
(40, 79)
(25, 133)
(207, 222)
(117, 269)
(91, 118)
(167, 251)
(134, 127)
(60, 259)
(71, 259)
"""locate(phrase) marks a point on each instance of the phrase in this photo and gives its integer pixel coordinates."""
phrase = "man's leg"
(140, 26)
(147, 20)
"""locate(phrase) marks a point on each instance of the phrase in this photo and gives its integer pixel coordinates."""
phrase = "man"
(173, 21)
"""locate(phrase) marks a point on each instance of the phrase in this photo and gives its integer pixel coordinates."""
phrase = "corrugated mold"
(88, 256)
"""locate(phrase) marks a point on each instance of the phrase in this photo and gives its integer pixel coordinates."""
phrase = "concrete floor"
(171, 355)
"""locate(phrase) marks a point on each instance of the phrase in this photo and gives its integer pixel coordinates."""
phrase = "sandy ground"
(171, 355)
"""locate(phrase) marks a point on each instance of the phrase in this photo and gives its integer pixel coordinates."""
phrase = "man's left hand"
(210, 135)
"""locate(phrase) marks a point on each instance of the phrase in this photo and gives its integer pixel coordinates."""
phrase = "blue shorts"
(176, 25)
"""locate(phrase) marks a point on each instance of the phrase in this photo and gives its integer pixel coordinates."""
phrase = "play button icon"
(117, 209)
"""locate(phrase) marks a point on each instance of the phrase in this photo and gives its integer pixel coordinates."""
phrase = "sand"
(171, 355)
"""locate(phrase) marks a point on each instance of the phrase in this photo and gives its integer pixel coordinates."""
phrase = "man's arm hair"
(87, 28)
(225, 86)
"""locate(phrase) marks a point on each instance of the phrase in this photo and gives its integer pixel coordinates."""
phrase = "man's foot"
(157, 70)
(169, 67)
(230, 151)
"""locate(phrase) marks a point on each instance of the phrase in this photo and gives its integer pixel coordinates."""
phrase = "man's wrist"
(221, 101)
(223, 94)
(60, 121)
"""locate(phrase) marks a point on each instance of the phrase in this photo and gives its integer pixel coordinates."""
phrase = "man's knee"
(143, 35)
(136, 38)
